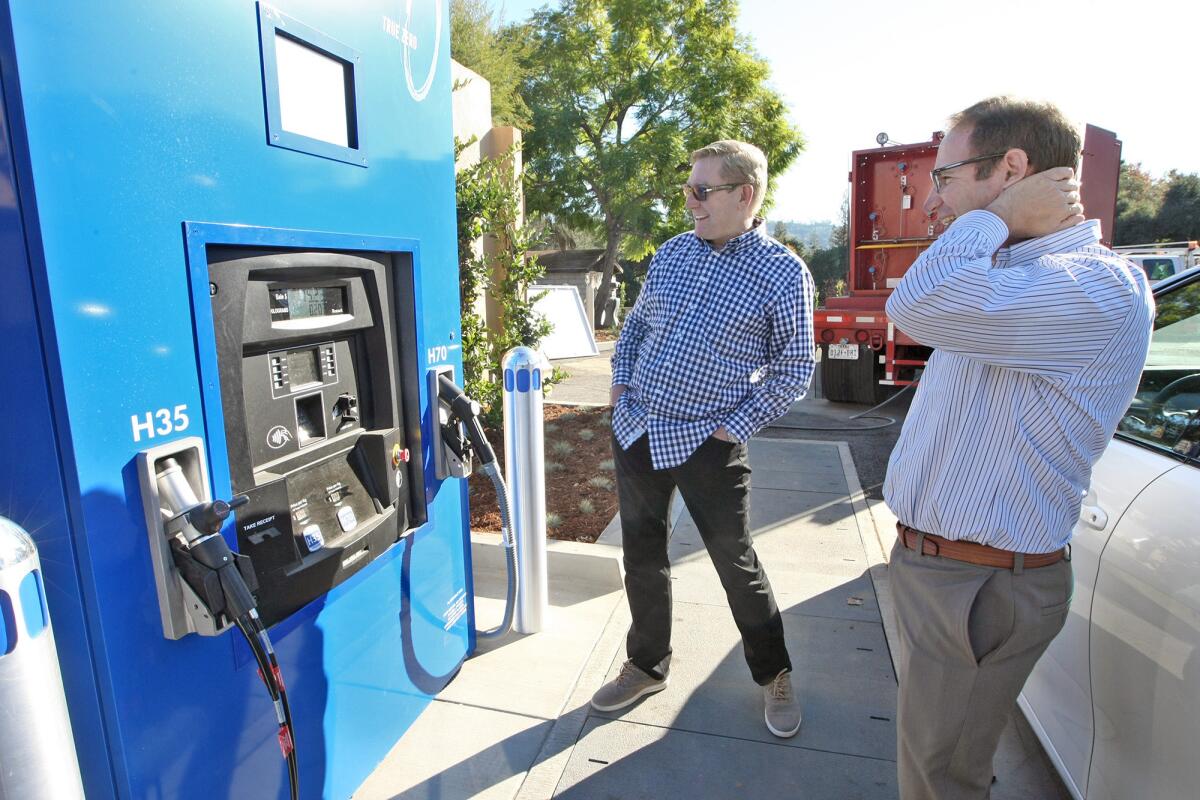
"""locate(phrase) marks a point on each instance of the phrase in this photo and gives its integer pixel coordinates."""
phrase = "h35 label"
(160, 422)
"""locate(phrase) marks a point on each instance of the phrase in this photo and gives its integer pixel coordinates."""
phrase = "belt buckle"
(922, 538)
(937, 546)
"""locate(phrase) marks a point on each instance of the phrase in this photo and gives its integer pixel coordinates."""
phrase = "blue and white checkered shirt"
(1038, 353)
(717, 338)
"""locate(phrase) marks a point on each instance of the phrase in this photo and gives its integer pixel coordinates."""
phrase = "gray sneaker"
(781, 711)
(630, 684)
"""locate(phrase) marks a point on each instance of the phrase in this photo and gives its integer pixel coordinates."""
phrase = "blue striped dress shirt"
(716, 338)
(1038, 351)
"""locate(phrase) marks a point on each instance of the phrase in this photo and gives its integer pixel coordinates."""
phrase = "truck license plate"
(847, 352)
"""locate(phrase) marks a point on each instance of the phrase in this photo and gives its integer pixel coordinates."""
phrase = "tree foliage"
(478, 44)
(621, 91)
(1153, 209)
(829, 265)
(489, 206)
(1179, 217)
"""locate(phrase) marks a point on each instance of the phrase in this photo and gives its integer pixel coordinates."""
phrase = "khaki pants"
(968, 638)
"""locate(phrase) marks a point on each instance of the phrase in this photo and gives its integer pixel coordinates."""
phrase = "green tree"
(782, 235)
(621, 91)
(1153, 209)
(1139, 198)
(829, 265)
(1179, 217)
(478, 44)
(489, 205)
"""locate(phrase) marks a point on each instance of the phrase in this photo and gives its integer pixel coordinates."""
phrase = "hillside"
(807, 231)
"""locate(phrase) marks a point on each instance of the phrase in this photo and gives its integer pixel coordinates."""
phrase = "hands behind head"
(1040, 204)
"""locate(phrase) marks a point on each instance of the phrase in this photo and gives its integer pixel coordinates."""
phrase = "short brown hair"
(741, 162)
(999, 124)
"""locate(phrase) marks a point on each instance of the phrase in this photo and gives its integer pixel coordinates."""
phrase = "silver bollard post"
(524, 464)
(38, 751)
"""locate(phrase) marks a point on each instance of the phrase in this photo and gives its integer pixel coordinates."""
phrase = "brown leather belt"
(972, 553)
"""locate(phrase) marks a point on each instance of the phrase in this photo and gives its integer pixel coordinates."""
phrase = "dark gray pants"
(968, 638)
(715, 485)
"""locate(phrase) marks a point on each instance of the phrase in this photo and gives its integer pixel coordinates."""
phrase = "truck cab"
(1161, 261)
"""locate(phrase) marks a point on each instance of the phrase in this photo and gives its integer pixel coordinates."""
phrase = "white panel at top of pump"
(312, 92)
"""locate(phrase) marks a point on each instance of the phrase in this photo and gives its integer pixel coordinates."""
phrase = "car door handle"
(1094, 517)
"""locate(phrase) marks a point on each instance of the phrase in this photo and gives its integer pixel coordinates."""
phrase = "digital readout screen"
(307, 302)
(302, 367)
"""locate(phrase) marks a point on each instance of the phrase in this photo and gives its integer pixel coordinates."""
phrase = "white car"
(1115, 700)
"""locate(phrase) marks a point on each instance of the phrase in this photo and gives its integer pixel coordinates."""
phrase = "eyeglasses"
(940, 171)
(701, 192)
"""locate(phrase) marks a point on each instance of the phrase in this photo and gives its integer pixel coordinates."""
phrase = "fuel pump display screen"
(302, 367)
(307, 302)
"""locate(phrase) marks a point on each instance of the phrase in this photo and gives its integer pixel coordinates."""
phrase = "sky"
(851, 69)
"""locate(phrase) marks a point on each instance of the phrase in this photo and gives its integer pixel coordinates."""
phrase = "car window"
(1158, 268)
(1165, 412)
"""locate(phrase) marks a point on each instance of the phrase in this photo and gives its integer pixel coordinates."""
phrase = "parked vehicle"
(1161, 261)
(863, 355)
(1115, 700)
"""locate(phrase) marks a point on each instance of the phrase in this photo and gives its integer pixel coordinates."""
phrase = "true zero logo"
(278, 437)
(412, 42)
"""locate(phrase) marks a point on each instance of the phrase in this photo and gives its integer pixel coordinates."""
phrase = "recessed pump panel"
(317, 370)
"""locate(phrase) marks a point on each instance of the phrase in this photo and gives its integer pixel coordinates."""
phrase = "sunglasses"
(940, 171)
(701, 192)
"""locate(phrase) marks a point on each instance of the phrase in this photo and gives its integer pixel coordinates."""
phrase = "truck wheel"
(853, 380)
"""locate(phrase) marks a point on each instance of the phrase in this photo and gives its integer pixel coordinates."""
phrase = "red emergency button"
(400, 455)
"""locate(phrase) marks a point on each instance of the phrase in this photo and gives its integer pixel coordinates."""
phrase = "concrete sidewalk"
(516, 722)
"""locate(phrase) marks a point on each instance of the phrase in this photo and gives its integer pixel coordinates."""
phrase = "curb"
(596, 563)
(876, 526)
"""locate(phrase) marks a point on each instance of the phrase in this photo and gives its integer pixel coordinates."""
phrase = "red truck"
(864, 357)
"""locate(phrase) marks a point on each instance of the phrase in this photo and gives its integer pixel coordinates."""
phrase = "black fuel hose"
(492, 470)
(887, 421)
(466, 410)
(215, 572)
(256, 637)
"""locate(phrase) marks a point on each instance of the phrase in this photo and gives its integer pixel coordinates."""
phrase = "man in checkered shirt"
(718, 345)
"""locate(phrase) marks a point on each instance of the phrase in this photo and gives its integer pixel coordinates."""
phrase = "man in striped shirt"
(718, 345)
(1039, 335)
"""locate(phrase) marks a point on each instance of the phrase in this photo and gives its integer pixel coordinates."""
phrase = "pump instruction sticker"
(455, 609)
(160, 422)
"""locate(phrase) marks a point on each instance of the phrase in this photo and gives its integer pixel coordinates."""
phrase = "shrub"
(488, 197)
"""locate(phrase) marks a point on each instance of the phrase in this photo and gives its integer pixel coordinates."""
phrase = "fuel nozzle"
(466, 411)
(222, 579)
(209, 517)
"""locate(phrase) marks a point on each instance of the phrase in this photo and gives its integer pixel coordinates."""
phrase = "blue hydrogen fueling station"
(230, 271)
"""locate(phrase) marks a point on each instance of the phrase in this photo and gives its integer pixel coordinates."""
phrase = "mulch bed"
(581, 495)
